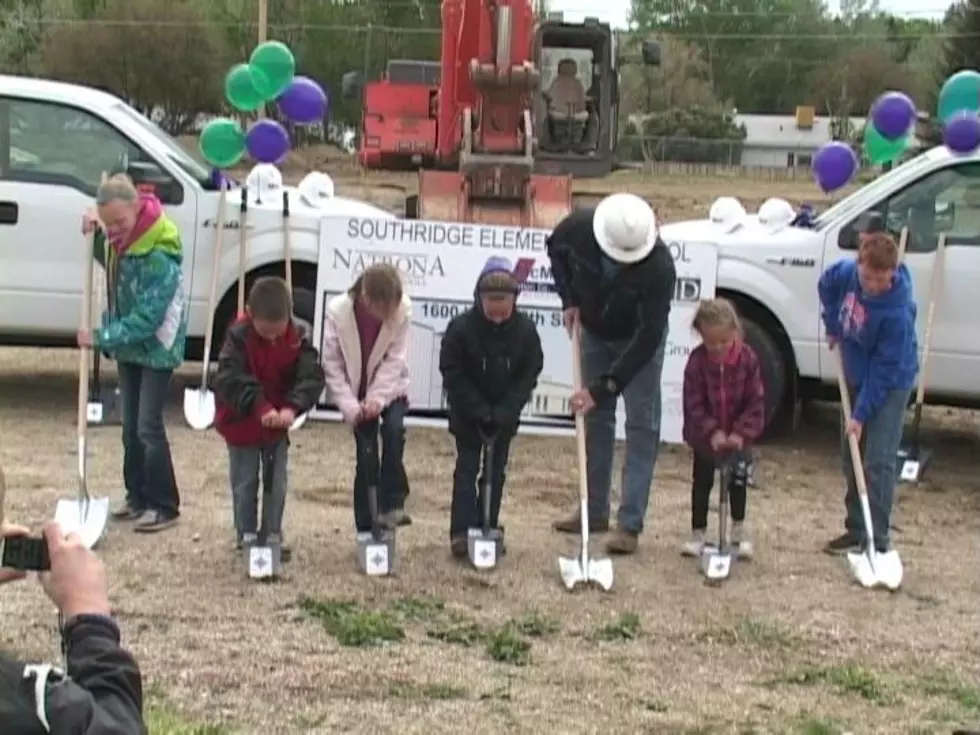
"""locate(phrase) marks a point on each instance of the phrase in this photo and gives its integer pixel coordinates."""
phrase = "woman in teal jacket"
(143, 330)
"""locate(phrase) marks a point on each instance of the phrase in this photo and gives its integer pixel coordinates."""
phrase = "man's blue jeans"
(642, 400)
(880, 441)
(148, 468)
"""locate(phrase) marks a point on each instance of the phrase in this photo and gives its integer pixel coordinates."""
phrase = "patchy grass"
(534, 624)
(162, 718)
(352, 625)
(848, 679)
(506, 646)
(434, 690)
(626, 627)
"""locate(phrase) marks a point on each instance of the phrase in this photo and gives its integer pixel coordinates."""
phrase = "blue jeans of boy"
(880, 441)
(386, 474)
(469, 480)
(643, 405)
(148, 468)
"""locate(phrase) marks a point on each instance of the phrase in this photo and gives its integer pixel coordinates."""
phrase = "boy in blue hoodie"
(869, 315)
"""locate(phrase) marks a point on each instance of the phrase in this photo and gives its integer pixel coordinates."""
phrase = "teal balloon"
(878, 149)
(959, 93)
(242, 88)
(276, 66)
(222, 142)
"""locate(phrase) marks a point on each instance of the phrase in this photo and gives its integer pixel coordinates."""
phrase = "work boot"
(459, 547)
(153, 521)
(843, 544)
(695, 545)
(573, 524)
(622, 542)
(743, 546)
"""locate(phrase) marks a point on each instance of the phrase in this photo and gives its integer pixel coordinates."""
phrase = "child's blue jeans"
(880, 441)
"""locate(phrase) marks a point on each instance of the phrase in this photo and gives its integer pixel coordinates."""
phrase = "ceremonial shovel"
(583, 570)
(485, 544)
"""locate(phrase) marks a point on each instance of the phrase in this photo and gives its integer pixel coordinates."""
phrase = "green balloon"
(222, 142)
(879, 150)
(242, 84)
(276, 65)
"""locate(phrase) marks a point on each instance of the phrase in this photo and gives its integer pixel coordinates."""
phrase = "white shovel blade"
(88, 520)
(601, 573)
(571, 571)
(886, 572)
(298, 423)
(199, 408)
(716, 565)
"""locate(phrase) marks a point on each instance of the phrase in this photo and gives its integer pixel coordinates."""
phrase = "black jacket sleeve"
(653, 313)
(464, 397)
(560, 244)
(310, 379)
(531, 363)
(233, 384)
(101, 695)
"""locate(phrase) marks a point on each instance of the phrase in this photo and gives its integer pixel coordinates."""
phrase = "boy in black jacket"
(490, 360)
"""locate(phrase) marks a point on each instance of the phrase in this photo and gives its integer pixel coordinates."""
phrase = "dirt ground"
(788, 645)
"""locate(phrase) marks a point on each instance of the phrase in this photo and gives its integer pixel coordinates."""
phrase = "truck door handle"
(8, 213)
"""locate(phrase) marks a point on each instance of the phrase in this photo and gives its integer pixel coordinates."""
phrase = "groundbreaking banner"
(440, 263)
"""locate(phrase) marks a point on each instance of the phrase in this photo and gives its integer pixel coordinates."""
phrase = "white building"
(786, 141)
(550, 398)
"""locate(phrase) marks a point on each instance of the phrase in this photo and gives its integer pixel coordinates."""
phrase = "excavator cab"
(576, 112)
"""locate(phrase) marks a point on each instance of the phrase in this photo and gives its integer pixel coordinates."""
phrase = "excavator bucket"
(494, 196)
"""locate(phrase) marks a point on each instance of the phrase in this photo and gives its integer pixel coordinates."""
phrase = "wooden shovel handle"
(242, 250)
(855, 447)
(86, 326)
(219, 246)
(583, 472)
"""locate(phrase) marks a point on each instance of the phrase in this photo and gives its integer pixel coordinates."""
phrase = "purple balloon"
(267, 141)
(304, 102)
(893, 114)
(961, 132)
(834, 165)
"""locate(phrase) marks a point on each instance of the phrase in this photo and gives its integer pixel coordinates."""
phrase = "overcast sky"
(615, 12)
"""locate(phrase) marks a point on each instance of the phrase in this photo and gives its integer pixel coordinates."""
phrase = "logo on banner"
(414, 268)
(531, 277)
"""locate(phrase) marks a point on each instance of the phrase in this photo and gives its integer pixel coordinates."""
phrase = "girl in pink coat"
(365, 359)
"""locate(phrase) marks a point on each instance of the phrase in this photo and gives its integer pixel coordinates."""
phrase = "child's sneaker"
(743, 546)
(695, 545)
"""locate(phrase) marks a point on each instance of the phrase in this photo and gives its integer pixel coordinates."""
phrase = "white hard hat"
(727, 213)
(263, 179)
(776, 214)
(315, 188)
(625, 227)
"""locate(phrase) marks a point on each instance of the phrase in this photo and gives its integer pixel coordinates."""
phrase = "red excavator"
(495, 148)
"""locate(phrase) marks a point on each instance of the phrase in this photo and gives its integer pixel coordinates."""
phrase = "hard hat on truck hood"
(263, 179)
(727, 213)
(776, 214)
(315, 188)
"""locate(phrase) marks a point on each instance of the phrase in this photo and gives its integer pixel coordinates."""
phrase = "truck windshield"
(176, 154)
(876, 189)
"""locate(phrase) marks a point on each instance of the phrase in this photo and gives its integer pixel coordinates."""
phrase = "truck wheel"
(772, 363)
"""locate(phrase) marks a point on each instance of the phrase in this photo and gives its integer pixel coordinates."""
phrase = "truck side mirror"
(651, 53)
(351, 85)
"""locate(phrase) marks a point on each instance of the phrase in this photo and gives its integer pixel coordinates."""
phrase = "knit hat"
(497, 265)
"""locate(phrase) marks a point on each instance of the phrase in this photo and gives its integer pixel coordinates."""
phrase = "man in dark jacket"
(101, 693)
(268, 374)
(490, 360)
(616, 279)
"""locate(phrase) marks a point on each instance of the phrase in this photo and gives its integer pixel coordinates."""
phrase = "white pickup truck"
(771, 273)
(56, 141)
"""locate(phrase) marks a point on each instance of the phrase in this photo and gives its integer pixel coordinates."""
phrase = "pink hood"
(150, 211)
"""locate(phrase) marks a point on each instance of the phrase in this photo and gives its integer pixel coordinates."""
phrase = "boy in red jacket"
(724, 413)
(268, 374)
